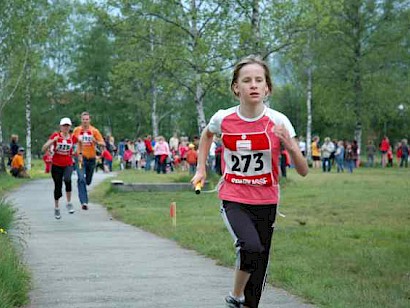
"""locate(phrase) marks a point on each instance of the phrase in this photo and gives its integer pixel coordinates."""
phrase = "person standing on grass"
(340, 156)
(192, 158)
(62, 163)
(89, 137)
(404, 156)
(384, 148)
(315, 152)
(161, 152)
(349, 157)
(251, 139)
(326, 150)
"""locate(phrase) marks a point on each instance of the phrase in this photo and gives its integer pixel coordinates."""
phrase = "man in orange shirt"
(17, 165)
(90, 137)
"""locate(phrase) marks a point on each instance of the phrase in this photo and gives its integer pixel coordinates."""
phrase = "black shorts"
(251, 227)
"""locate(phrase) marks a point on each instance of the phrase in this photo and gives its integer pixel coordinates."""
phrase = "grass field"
(344, 241)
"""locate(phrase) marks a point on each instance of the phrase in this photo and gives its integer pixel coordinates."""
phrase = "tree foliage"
(155, 67)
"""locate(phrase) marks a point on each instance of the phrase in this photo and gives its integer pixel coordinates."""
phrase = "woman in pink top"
(251, 139)
(161, 152)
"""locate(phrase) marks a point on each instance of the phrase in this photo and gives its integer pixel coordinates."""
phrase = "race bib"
(87, 138)
(248, 159)
(63, 147)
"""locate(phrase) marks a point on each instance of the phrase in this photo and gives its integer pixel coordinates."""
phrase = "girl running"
(62, 163)
(251, 138)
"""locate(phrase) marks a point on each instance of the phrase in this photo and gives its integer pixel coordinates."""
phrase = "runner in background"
(251, 137)
(89, 137)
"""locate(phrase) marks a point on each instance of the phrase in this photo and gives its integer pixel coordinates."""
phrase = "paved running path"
(86, 260)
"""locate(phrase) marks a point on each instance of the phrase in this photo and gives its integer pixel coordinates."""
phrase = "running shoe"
(57, 213)
(84, 206)
(233, 302)
(70, 208)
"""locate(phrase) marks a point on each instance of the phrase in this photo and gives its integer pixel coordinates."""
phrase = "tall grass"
(14, 276)
(344, 241)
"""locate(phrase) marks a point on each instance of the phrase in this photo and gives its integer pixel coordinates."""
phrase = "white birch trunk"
(358, 136)
(154, 115)
(28, 116)
(199, 102)
(309, 114)
(199, 91)
(154, 94)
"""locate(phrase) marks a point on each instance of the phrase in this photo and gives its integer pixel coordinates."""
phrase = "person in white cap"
(62, 164)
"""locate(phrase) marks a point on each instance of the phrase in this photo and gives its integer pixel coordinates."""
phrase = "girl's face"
(65, 128)
(251, 85)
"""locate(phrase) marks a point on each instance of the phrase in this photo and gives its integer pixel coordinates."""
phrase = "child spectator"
(349, 155)
(183, 149)
(192, 158)
(339, 155)
(127, 158)
(107, 160)
(390, 157)
(17, 165)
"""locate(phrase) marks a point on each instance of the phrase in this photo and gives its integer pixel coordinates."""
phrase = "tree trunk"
(199, 102)
(357, 82)
(199, 91)
(255, 22)
(28, 116)
(154, 116)
(154, 94)
(309, 114)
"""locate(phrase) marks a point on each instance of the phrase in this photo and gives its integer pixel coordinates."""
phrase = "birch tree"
(202, 27)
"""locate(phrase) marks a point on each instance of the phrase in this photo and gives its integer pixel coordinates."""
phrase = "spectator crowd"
(180, 153)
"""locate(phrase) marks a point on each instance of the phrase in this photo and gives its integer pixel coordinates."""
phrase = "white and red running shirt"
(63, 149)
(250, 152)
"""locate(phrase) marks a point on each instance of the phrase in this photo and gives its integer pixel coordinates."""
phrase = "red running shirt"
(250, 155)
(63, 149)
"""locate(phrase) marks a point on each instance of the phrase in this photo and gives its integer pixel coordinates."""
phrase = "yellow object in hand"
(198, 188)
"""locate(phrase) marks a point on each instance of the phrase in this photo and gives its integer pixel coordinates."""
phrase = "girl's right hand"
(199, 177)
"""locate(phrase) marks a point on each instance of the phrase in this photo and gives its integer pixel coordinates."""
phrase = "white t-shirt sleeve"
(279, 118)
(214, 124)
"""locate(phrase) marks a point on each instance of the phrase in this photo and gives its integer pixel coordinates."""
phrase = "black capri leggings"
(59, 174)
(251, 226)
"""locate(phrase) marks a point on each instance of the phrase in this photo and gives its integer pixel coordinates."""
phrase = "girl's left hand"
(283, 134)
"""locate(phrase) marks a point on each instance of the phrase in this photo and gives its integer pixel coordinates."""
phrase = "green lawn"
(344, 241)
